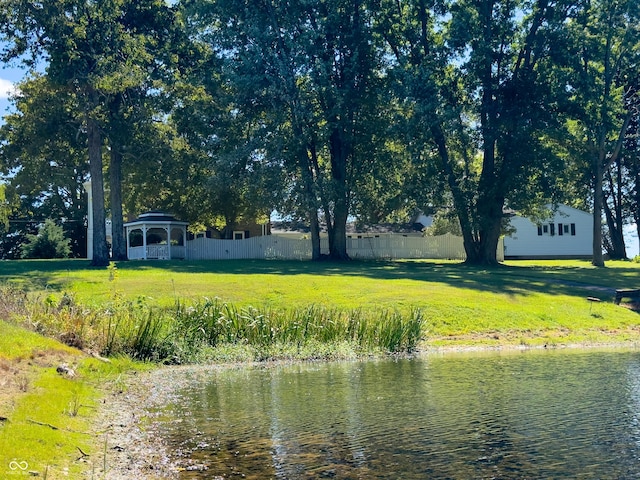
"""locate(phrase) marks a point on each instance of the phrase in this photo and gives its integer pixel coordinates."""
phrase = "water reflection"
(529, 415)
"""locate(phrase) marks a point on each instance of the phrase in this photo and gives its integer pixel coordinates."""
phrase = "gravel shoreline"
(131, 449)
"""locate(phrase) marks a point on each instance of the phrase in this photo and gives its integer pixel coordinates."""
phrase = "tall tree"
(308, 71)
(93, 49)
(480, 83)
(44, 162)
(605, 36)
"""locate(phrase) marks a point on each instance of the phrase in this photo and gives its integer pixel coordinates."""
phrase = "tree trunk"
(338, 240)
(615, 225)
(485, 246)
(118, 243)
(603, 160)
(100, 249)
(316, 253)
(459, 198)
(598, 195)
(307, 159)
(339, 152)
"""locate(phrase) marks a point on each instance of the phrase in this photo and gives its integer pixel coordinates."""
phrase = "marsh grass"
(190, 332)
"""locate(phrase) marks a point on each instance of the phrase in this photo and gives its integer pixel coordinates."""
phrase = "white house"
(567, 234)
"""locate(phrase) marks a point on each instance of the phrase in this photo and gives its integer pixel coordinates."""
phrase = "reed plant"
(190, 332)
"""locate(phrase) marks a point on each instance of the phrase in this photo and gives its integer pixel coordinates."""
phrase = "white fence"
(157, 252)
(384, 246)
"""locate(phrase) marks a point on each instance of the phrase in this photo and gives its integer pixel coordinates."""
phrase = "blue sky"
(9, 76)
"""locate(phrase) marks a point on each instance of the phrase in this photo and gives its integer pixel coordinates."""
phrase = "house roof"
(155, 217)
(352, 228)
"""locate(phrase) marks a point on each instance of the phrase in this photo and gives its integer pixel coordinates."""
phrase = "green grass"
(47, 418)
(18, 343)
(285, 309)
(519, 299)
(278, 283)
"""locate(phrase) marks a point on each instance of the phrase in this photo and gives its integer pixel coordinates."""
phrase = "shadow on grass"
(575, 279)
(514, 280)
(42, 274)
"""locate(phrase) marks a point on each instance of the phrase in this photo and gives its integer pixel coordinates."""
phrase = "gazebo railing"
(136, 253)
(156, 252)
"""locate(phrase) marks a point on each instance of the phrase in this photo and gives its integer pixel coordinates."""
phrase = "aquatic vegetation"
(190, 332)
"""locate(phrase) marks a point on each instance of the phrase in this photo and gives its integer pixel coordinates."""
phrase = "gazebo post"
(184, 241)
(144, 241)
(127, 231)
(167, 229)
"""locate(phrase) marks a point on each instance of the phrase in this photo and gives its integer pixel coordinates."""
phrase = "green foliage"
(443, 223)
(322, 109)
(50, 242)
(4, 210)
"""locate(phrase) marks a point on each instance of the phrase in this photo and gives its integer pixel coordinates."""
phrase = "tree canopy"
(326, 110)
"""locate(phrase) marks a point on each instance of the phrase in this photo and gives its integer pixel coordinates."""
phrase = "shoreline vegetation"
(74, 338)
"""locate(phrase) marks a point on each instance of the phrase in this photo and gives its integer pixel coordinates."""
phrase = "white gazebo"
(156, 235)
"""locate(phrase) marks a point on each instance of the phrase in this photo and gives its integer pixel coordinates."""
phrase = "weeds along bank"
(52, 412)
(212, 330)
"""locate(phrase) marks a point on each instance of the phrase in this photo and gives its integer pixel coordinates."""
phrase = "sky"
(9, 76)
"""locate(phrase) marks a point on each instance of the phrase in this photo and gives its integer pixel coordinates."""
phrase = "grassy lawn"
(523, 301)
(46, 420)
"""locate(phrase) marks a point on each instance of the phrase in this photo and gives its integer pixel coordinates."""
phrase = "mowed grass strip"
(46, 418)
(519, 298)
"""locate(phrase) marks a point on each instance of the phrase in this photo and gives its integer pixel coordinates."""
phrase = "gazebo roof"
(155, 218)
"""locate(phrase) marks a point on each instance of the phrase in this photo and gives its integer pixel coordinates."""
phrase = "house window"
(540, 230)
(545, 229)
(566, 229)
(573, 229)
(238, 235)
(552, 228)
(560, 232)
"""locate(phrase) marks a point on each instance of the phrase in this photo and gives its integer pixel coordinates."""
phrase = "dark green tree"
(95, 50)
(482, 97)
(306, 76)
(43, 159)
(604, 41)
(49, 242)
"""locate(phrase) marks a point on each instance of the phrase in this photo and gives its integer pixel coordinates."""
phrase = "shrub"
(48, 243)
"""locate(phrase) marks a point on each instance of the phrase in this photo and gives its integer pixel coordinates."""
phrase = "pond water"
(551, 414)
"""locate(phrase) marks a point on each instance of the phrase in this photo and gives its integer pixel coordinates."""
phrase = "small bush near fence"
(212, 330)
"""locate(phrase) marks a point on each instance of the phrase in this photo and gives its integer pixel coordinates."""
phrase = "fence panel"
(265, 247)
(387, 246)
(393, 246)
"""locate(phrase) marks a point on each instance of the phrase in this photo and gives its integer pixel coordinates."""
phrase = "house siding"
(568, 234)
